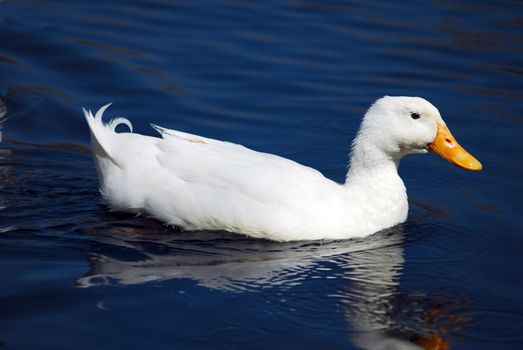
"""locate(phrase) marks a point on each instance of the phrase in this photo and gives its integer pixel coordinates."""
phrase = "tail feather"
(102, 134)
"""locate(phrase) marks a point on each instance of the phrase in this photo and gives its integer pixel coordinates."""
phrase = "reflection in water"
(379, 314)
(375, 305)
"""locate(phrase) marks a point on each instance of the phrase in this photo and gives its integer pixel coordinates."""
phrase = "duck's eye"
(414, 116)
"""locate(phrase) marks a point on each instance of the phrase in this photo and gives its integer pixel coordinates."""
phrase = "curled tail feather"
(103, 134)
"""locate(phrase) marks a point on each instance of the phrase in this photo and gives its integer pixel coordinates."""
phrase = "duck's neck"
(374, 184)
(368, 160)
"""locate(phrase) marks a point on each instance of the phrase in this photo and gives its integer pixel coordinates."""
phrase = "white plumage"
(200, 183)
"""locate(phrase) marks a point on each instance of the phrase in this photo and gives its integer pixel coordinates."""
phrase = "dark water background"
(286, 77)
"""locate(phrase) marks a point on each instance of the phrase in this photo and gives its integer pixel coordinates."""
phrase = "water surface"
(286, 77)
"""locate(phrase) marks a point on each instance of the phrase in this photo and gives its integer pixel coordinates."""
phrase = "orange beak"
(446, 146)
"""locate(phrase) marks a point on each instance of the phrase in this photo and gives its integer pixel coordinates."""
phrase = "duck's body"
(200, 183)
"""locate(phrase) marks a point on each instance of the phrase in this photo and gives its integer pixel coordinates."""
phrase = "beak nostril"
(448, 140)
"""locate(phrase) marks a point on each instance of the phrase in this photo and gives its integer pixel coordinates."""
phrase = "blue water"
(286, 77)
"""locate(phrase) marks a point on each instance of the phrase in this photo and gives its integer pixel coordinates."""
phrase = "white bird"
(198, 183)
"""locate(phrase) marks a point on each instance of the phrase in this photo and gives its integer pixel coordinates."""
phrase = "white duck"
(198, 183)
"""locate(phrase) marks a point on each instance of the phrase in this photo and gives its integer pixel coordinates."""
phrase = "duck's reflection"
(375, 306)
(373, 303)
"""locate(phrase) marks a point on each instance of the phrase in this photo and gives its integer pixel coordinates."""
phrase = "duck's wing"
(237, 172)
(198, 159)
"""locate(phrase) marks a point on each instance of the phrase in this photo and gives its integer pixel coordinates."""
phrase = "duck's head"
(399, 125)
